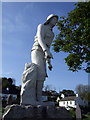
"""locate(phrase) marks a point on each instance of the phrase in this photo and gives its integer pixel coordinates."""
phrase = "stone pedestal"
(20, 112)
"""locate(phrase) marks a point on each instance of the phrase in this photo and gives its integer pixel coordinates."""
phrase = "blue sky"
(20, 21)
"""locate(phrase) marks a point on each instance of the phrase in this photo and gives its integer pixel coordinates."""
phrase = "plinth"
(21, 112)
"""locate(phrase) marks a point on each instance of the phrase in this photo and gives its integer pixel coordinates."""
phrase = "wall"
(67, 103)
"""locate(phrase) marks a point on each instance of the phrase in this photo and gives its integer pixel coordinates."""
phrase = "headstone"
(78, 112)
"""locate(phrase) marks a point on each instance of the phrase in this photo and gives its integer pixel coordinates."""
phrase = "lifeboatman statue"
(35, 73)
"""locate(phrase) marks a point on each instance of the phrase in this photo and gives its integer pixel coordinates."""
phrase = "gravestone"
(78, 112)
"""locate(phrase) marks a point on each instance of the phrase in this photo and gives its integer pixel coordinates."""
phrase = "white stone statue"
(35, 72)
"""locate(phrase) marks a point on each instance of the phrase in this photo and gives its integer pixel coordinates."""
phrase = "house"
(71, 101)
(10, 95)
(68, 102)
(5, 98)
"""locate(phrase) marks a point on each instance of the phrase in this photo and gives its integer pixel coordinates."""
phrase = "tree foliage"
(8, 86)
(67, 92)
(83, 91)
(74, 37)
(47, 88)
(4, 82)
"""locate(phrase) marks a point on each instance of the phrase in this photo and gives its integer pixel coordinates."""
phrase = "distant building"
(11, 92)
(71, 101)
(68, 102)
(4, 99)
(5, 96)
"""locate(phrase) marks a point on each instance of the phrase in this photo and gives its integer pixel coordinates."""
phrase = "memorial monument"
(31, 104)
(35, 73)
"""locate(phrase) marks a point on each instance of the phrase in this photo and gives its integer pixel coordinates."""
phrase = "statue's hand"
(50, 67)
(48, 55)
(51, 55)
(48, 61)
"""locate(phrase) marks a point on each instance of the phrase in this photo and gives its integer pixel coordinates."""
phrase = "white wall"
(67, 103)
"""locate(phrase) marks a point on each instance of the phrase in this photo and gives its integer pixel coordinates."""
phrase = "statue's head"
(51, 19)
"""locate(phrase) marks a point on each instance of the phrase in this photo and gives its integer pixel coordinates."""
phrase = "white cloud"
(5, 74)
(7, 25)
(14, 26)
(29, 7)
(17, 23)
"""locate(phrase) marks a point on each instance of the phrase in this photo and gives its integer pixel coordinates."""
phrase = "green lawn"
(87, 117)
(0, 110)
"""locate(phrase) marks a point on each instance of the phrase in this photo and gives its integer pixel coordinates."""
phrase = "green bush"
(72, 112)
(1, 110)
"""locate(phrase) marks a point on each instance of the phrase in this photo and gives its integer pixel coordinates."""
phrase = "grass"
(0, 110)
(86, 117)
(72, 112)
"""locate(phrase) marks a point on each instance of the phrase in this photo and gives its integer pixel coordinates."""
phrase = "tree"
(83, 91)
(4, 82)
(67, 92)
(74, 37)
(47, 88)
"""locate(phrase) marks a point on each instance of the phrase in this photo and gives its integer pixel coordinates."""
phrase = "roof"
(68, 98)
(66, 95)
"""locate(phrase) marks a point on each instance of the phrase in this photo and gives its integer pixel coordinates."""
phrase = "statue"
(35, 73)
(31, 104)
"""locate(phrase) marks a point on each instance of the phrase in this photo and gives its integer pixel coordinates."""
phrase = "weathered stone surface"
(28, 93)
(18, 112)
(78, 112)
(57, 112)
(35, 73)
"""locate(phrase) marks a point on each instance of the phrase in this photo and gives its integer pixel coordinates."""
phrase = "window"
(64, 102)
(70, 102)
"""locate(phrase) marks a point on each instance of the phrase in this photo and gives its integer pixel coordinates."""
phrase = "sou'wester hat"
(49, 17)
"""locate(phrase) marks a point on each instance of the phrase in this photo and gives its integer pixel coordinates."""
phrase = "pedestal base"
(39, 112)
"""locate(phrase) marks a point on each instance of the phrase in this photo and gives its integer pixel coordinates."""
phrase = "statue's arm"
(41, 34)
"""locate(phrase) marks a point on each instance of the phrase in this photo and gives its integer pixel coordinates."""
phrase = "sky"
(20, 21)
